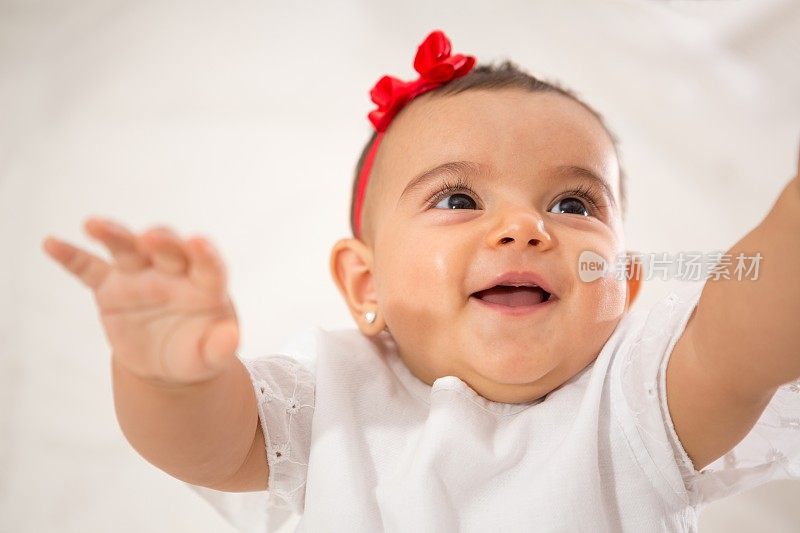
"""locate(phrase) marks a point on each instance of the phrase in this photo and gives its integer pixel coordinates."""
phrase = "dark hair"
(504, 75)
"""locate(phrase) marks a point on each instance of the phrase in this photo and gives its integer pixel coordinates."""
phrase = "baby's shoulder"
(662, 320)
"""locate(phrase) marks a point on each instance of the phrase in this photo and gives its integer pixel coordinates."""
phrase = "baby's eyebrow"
(470, 168)
(452, 168)
(567, 170)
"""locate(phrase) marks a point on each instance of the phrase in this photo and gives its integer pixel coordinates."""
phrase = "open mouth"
(514, 296)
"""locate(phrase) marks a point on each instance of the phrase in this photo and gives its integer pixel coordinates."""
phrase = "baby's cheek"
(405, 295)
(420, 298)
(601, 305)
(604, 299)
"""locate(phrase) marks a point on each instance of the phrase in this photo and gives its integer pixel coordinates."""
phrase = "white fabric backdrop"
(243, 121)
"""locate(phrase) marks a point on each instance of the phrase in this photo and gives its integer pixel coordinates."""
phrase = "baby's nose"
(523, 227)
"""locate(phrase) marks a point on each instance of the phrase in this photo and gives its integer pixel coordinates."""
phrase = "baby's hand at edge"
(163, 301)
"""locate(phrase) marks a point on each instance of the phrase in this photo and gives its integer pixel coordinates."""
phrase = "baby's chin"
(507, 392)
(521, 378)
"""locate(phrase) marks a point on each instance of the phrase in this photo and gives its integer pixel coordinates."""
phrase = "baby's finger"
(206, 269)
(123, 245)
(167, 252)
(219, 344)
(88, 268)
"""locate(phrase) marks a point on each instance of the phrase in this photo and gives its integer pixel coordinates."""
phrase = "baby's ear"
(351, 269)
(634, 276)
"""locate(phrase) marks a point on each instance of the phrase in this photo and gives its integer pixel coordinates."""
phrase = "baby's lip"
(519, 279)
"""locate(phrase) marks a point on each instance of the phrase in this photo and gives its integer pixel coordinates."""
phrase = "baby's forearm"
(203, 434)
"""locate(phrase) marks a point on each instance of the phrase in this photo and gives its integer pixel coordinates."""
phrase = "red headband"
(436, 67)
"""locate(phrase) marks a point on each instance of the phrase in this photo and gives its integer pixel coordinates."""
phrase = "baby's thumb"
(221, 342)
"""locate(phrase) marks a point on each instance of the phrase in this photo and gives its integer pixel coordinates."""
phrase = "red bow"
(435, 66)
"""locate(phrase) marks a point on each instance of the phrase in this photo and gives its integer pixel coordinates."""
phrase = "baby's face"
(431, 253)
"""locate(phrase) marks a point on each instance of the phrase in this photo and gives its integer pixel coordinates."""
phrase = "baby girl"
(488, 385)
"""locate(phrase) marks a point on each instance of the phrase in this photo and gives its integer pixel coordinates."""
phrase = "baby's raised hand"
(163, 301)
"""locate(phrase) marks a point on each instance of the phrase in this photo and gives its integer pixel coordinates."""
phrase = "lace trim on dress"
(285, 392)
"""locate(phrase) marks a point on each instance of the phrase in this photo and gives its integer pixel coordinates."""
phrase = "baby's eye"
(570, 204)
(456, 201)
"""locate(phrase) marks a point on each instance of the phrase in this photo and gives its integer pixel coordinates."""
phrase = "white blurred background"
(243, 121)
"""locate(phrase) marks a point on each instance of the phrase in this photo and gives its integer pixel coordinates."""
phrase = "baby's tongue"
(513, 296)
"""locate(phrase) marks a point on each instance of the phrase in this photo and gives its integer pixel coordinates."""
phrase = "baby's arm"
(205, 433)
(183, 399)
(742, 341)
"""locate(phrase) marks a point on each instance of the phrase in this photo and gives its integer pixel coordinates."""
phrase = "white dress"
(355, 442)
